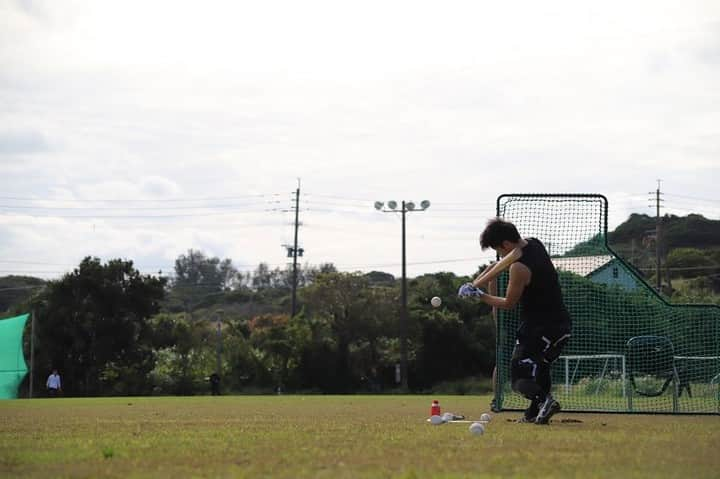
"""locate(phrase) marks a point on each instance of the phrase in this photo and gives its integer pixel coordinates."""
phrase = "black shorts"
(544, 342)
(538, 346)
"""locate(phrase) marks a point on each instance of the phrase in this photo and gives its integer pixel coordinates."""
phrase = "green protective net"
(12, 360)
(631, 351)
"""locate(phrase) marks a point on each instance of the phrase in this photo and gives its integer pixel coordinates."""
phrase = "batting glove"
(468, 289)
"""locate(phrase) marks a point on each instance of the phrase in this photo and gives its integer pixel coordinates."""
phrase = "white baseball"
(436, 301)
(476, 429)
(436, 420)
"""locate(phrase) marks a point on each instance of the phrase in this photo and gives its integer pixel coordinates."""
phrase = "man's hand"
(468, 289)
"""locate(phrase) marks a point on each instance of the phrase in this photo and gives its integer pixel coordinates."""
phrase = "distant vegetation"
(693, 231)
(689, 254)
(113, 331)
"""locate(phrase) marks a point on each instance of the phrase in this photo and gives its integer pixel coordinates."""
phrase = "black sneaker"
(530, 413)
(548, 408)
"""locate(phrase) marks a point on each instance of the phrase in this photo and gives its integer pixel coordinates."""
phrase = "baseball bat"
(494, 271)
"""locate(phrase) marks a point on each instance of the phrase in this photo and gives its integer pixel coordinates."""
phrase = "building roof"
(581, 265)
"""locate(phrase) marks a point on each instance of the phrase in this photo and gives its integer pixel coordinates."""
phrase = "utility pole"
(406, 207)
(218, 320)
(658, 277)
(294, 251)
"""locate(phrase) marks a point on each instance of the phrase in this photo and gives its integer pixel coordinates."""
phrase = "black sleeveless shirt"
(542, 300)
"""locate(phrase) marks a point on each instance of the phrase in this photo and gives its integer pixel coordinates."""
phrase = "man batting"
(544, 320)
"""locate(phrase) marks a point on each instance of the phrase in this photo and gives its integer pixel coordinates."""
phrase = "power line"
(134, 200)
(31, 262)
(132, 208)
(417, 263)
(343, 198)
(189, 215)
(683, 268)
(277, 265)
(693, 198)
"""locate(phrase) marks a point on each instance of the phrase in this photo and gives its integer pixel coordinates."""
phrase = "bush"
(605, 386)
(461, 387)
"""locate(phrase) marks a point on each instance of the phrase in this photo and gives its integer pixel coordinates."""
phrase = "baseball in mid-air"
(436, 301)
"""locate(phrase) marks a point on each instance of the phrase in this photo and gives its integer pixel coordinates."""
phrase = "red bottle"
(435, 408)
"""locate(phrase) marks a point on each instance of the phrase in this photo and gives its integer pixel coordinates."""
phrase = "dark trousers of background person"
(52, 392)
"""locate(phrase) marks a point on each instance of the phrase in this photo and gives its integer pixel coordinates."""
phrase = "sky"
(140, 130)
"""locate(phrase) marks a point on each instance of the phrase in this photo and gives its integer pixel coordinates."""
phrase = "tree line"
(111, 330)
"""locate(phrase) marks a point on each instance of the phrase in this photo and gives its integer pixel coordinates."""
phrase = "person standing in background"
(53, 384)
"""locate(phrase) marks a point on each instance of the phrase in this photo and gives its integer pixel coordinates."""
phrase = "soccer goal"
(631, 350)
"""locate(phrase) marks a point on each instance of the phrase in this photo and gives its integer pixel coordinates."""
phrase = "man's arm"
(492, 288)
(494, 270)
(519, 278)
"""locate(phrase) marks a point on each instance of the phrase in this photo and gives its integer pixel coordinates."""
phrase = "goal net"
(631, 351)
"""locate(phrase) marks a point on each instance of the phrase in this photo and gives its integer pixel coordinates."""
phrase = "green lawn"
(338, 436)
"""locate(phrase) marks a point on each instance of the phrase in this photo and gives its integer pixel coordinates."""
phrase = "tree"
(203, 273)
(14, 290)
(93, 326)
(280, 341)
(184, 357)
(454, 341)
(262, 277)
(353, 314)
(690, 262)
(200, 280)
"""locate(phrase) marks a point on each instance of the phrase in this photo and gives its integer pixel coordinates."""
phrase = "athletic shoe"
(530, 413)
(548, 408)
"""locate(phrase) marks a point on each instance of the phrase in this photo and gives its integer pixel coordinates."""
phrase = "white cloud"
(175, 102)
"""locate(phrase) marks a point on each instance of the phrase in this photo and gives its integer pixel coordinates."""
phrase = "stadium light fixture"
(405, 208)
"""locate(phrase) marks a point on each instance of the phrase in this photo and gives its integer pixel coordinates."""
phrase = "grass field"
(338, 436)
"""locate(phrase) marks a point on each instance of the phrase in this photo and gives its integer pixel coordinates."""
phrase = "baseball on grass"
(436, 301)
(477, 429)
(485, 417)
(436, 420)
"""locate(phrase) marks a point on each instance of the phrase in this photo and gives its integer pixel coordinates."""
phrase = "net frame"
(686, 315)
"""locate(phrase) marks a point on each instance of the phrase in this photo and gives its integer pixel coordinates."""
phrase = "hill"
(16, 289)
(691, 231)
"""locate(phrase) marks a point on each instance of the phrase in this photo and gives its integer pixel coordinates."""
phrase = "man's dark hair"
(498, 231)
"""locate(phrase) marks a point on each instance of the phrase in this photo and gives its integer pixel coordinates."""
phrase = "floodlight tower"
(405, 207)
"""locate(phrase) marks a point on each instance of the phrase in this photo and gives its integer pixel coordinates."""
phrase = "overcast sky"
(141, 129)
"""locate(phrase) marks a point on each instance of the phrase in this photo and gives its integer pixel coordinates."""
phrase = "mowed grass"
(336, 437)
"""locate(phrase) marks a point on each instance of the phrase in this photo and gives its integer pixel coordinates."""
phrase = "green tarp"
(12, 361)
